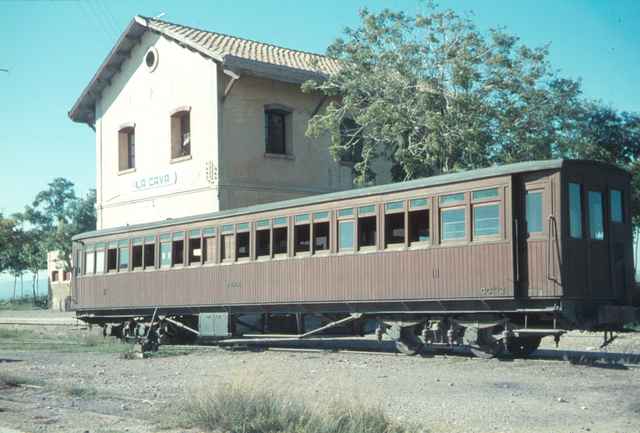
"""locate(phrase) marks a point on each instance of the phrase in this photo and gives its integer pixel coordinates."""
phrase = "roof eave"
(83, 111)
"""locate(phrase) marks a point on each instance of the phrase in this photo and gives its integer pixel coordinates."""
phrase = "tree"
(57, 214)
(7, 227)
(432, 94)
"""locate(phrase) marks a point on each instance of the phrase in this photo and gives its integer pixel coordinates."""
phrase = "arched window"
(181, 133)
(126, 147)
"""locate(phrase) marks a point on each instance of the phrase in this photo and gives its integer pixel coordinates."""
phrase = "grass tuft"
(232, 409)
(81, 391)
(13, 381)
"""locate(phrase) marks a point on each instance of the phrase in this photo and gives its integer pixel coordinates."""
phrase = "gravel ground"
(576, 389)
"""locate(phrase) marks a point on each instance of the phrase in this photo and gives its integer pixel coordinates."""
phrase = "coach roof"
(462, 176)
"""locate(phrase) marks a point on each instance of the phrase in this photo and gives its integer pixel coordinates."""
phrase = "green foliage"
(54, 217)
(431, 94)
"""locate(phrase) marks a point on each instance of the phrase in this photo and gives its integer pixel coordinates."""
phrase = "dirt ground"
(71, 380)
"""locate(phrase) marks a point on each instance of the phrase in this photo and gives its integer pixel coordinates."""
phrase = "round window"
(151, 59)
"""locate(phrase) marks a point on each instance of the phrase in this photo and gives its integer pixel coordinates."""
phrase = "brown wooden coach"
(503, 254)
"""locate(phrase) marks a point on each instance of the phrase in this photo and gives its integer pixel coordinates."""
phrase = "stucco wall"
(147, 99)
(226, 170)
(247, 176)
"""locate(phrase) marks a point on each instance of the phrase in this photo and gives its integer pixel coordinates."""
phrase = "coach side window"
(452, 217)
(165, 250)
(575, 210)
(177, 249)
(112, 257)
(123, 255)
(394, 224)
(419, 221)
(149, 252)
(367, 228)
(533, 204)
(346, 228)
(263, 239)
(280, 237)
(486, 213)
(100, 258)
(617, 215)
(228, 245)
(137, 252)
(243, 241)
(596, 219)
(209, 248)
(302, 234)
(89, 260)
(195, 247)
(321, 230)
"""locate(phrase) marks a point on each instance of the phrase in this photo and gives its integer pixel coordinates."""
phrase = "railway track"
(364, 346)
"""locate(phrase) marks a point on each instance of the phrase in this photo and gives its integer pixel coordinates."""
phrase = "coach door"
(538, 272)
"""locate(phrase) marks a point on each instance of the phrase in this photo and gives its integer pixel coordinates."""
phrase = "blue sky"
(53, 48)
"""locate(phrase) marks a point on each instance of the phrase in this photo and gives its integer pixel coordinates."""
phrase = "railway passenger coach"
(490, 258)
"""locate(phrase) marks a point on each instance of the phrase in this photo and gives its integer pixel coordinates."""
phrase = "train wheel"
(408, 342)
(522, 347)
(482, 342)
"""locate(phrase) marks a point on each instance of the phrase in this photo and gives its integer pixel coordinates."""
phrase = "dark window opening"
(181, 134)
(367, 232)
(275, 131)
(228, 247)
(65, 276)
(351, 140)
(394, 228)
(279, 240)
(263, 242)
(112, 259)
(242, 245)
(418, 226)
(302, 238)
(123, 259)
(149, 256)
(195, 252)
(177, 252)
(54, 276)
(321, 236)
(126, 148)
(136, 256)
(209, 250)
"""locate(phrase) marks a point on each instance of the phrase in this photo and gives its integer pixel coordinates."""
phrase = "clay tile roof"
(225, 45)
(239, 55)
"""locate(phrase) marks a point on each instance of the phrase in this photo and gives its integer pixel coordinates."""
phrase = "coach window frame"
(394, 207)
(242, 228)
(414, 204)
(346, 215)
(320, 217)
(445, 206)
(279, 223)
(262, 225)
(366, 211)
(475, 203)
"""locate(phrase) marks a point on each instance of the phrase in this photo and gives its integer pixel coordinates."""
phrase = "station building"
(189, 121)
